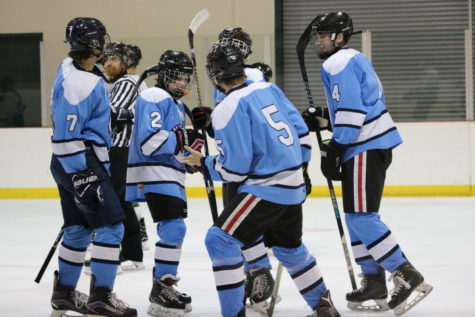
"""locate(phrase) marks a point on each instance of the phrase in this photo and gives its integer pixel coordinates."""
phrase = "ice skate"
(165, 301)
(103, 302)
(407, 281)
(66, 299)
(326, 308)
(371, 296)
(143, 234)
(130, 266)
(259, 285)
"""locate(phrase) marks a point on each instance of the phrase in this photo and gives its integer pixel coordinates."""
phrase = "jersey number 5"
(279, 125)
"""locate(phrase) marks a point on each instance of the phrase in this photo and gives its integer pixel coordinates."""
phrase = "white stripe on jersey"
(73, 92)
(228, 176)
(68, 147)
(291, 178)
(306, 140)
(222, 114)
(336, 63)
(154, 173)
(101, 152)
(349, 118)
(359, 182)
(154, 143)
(376, 127)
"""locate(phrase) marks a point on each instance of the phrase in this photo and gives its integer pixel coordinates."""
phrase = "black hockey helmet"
(333, 23)
(115, 49)
(264, 68)
(134, 54)
(84, 34)
(223, 62)
(238, 38)
(173, 66)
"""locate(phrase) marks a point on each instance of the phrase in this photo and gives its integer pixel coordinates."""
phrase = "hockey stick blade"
(199, 19)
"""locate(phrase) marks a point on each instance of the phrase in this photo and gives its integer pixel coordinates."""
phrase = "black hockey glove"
(317, 118)
(87, 190)
(308, 181)
(201, 117)
(189, 137)
(121, 116)
(331, 161)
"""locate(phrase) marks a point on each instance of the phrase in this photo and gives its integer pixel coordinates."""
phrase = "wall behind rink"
(436, 159)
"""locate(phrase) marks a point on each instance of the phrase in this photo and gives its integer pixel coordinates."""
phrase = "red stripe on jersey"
(360, 182)
(239, 213)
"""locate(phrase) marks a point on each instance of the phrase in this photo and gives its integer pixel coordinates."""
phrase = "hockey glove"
(189, 137)
(308, 181)
(317, 118)
(121, 116)
(331, 161)
(201, 117)
(87, 190)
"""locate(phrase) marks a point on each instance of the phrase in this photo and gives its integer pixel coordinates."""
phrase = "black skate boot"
(326, 308)
(165, 301)
(406, 281)
(105, 303)
(373, 288)
(66, 298)
(143, 234)
(242, 313)
(260, 284)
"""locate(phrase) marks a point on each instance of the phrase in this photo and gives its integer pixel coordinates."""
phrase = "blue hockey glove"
(317, 118)
(87, 190)
(308, 181)
(331, 161)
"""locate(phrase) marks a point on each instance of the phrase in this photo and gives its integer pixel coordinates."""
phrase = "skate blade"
(422, 290)
(67, 313)
(378, 306)
(188, 308)
(263, 307)
(161, 311)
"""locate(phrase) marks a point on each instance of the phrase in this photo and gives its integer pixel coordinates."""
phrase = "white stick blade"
(199, 18)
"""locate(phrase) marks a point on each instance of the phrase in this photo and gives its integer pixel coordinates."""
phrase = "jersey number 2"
(279, 125)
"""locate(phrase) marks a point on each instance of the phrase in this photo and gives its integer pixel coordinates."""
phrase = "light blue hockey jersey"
(356, 104)
(253, 75)
(261, 139)
(152, 165)
(80, 112)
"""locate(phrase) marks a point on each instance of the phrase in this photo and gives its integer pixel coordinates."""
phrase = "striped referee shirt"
(120, 94)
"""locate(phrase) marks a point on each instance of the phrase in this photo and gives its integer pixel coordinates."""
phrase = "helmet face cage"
(116, 49)
(175, 66)
(84, 34)
(238, 38)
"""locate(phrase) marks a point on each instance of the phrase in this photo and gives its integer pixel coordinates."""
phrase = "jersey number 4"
(279, 125)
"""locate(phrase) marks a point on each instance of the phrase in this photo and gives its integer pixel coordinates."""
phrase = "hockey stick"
(275, 291)
(301, 46)
(48, 257)
(199, 19)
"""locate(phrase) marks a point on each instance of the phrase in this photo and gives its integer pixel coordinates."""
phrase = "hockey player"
(359, 153)
(259, 281)
(80, 167)
(156, 176)
(263, 141)
(121, 89)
